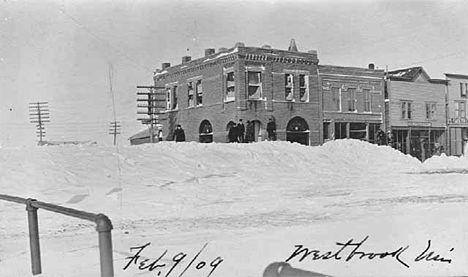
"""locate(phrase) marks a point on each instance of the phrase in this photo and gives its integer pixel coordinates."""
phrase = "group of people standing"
(237, 133)
(384, 139)
(246, 134)
(240, 133)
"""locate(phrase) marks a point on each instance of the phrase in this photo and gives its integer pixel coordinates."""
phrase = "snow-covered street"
(251, 203)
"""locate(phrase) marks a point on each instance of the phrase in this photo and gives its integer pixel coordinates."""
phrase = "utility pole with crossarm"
(39, 114)
(153, 101)
(114, 129)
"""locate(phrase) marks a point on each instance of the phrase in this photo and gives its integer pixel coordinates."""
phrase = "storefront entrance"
(298, 131)
(419, 143)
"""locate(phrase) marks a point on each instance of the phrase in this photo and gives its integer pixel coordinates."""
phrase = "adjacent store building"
(416, 114)
(457, 123)
(352, 102)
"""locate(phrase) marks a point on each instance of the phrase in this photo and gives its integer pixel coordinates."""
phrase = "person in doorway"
(271, 129)
(232, 135)
(381, 137)
(179, 134)
(240, 131)
(390, 138)
(249, 135)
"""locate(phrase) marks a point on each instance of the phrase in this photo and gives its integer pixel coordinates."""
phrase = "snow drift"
(251, 202)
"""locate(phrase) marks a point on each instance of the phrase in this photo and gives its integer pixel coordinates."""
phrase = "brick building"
(208, 95)
(352, 102)
(457, 123)
(415, 112)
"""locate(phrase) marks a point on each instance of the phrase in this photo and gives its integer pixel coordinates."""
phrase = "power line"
(432, 59)
(104, 42)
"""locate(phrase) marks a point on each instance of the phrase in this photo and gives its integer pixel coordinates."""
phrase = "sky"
(85, 58)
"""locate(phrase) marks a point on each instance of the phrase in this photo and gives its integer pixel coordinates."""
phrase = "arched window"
(205, 132)
(298, 131)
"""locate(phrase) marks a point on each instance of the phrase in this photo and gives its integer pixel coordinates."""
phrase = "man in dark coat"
(271, 129)
(249, 134)
(240, 131)
(381, 137)
(179, 134)
(232, 135)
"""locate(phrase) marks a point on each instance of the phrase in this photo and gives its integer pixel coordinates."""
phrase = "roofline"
(234, 49)
(438, 81)
(423, 71)
(454, 75)
(351, 67)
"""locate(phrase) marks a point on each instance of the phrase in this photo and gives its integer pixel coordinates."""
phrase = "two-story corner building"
(352, 102)
(210, 94)
(457, 123)
(416, 112)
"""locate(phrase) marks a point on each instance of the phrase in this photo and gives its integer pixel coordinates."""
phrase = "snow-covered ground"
(252, 204)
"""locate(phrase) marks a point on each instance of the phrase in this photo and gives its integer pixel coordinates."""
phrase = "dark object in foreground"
(282, 269)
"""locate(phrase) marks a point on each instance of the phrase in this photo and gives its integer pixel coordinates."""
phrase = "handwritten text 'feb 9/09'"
(160, 266)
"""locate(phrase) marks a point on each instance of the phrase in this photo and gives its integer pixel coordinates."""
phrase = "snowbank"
(446, 164)
(251, 202)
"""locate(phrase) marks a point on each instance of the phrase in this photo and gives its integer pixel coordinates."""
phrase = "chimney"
(186, 59)
(292, 46)
(209, 51)
(165, 65)
(222, 49)
(266, 46)
(240, 44)
(371, 66)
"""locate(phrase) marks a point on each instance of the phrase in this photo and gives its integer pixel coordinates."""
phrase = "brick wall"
(220, 113)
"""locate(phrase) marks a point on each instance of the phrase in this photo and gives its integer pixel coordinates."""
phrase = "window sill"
(291, 101)
(257, 99)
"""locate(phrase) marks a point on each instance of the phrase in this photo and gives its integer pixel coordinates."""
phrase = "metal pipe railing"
(103, 227)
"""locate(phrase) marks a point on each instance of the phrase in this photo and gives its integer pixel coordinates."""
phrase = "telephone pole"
(114, 129)
(153, 100)
(39, 114)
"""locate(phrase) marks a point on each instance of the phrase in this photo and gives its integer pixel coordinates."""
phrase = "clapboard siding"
(420, 94)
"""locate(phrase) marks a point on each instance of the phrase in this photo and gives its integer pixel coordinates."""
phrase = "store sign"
(458, 120)
(419, 124)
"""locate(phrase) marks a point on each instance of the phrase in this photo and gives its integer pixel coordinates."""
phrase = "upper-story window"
(367, 100)
(460, 109)
(199, 91)
(303, 88)
(174, 98)
(406, 109)
(254, 81)
(171, 96)
(230, 87)
(191, 94)
(431, 111)
(289, 87)
(351, 99)
(463, 91)
(336, 99)
(168, 98)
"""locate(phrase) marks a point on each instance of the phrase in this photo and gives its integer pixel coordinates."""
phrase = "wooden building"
(415, 112)
(457, 122)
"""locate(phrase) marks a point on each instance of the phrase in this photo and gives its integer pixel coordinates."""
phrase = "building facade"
(352, 102)
(457, 123)
(416, 115)
(207, 96)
